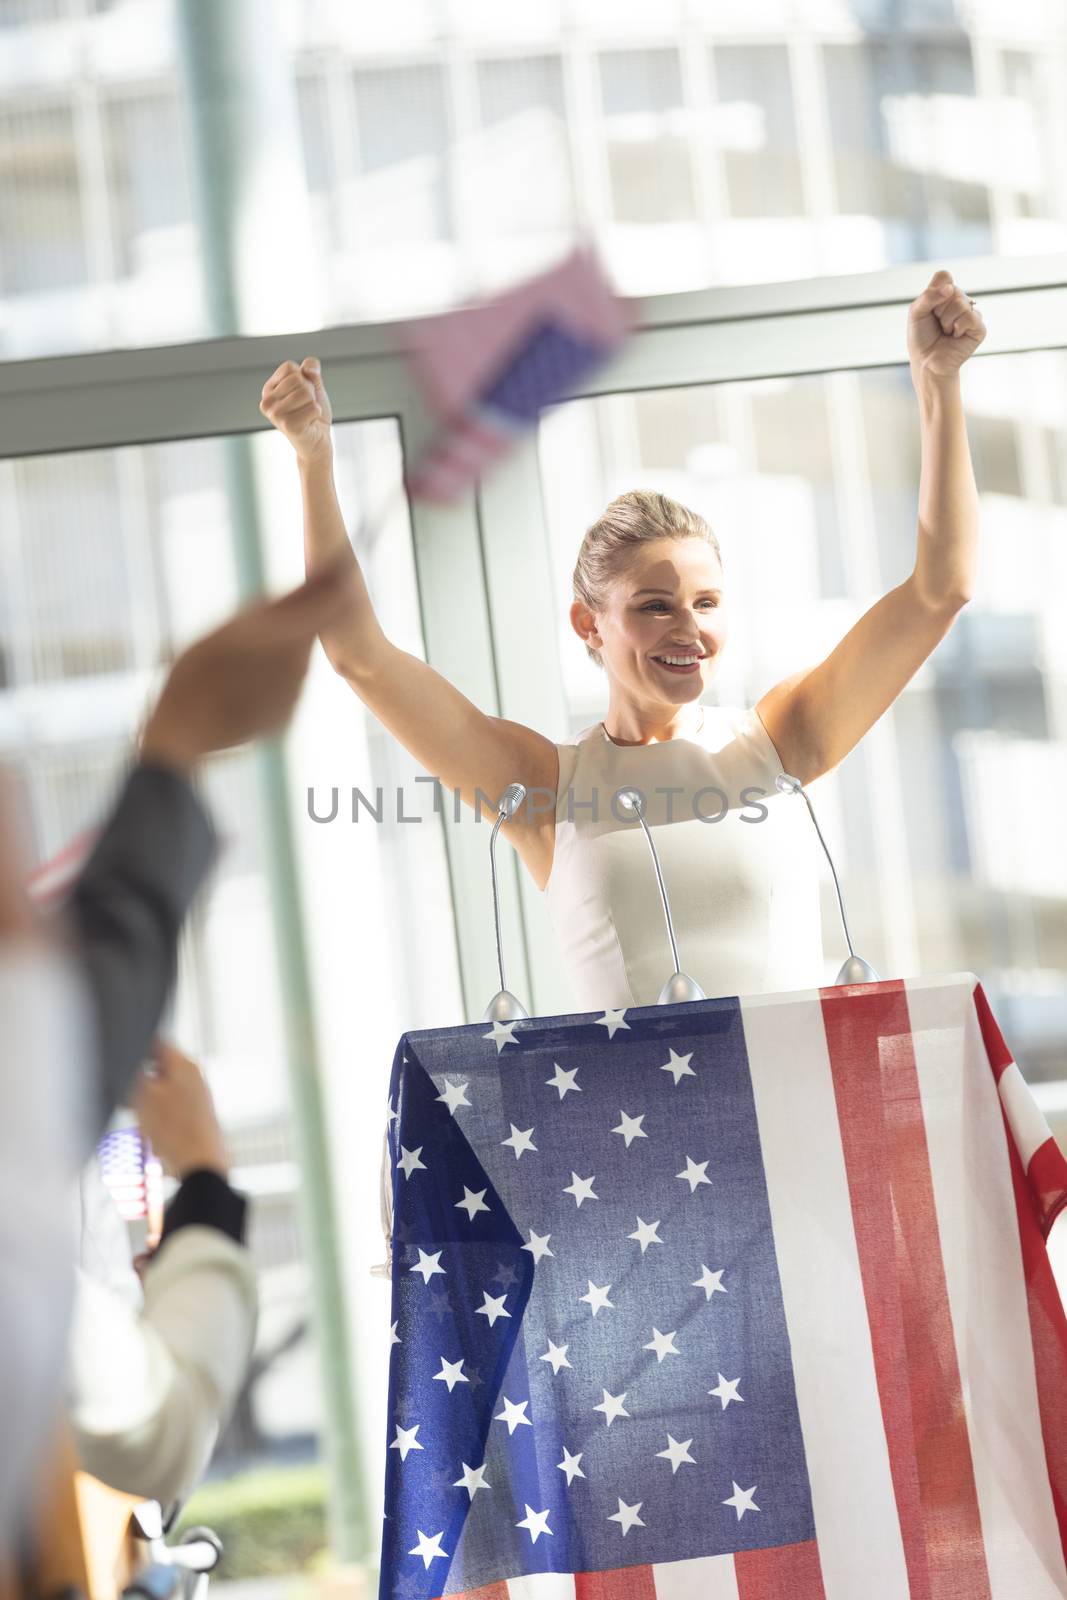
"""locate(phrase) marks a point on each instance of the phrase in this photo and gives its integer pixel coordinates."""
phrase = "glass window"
(403, 143)
(320, 163)
(510, 86)
(1021, 132)
(75, 576)
(40, 201)
(148, 188)
(894, 462)
(29, 13)
(465, 170)
(756, 130)
(903, 124)
(517, 171)
(647, 136)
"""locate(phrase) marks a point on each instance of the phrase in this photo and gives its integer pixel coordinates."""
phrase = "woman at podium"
(651, 605)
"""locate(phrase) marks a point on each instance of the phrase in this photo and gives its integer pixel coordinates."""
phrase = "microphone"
(679, 987)
(503, 1007)
(855, 969)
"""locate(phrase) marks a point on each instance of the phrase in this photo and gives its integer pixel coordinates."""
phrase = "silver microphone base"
(856, 970)
(504, 1007)
(679, 988)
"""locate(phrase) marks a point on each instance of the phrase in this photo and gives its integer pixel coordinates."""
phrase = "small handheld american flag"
(489, 370)
(132, 1176)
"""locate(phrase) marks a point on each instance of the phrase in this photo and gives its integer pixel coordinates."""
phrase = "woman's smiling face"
(663, 621)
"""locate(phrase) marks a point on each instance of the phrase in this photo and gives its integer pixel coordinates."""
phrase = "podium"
(743, 1297)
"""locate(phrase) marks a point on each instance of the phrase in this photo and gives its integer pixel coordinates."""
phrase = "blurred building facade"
(453, 146)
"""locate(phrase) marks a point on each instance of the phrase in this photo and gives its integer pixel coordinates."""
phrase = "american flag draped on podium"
(740, 1300)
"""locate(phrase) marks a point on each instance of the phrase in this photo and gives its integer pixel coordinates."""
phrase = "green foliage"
(271, 1522)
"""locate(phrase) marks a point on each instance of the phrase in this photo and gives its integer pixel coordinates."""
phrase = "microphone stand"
(855, 969)
(679, 987)
(503, 1007)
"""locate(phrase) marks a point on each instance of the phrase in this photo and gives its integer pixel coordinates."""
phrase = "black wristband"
(205, 1199)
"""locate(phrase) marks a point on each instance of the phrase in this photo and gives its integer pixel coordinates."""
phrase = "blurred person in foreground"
(44, 1064)
(156, 1365)
(79, 1007)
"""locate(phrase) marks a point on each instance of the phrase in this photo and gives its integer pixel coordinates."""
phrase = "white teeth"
(679, 661)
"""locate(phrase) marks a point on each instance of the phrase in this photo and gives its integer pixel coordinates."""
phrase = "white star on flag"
(563, 1081)
(741, 1500)
(409, 1161)
(662, 1344)
(473, 1479)
(557, 1354)
(626, 1516)
(630, 1128)
(677, 1454)
(726, 1390)
(645, 1234)
(535, 1523)
(612, 1020)
(570, 1466)
(581, 1188)
(428, 1265)
(537, 1244)
(428, 1548)
(501, 1033)
(405, 1440)
(493, 1307)
(696, 1173)
(612, 1407)
(710, 1282)
(678, 1067)
(451, 1373)
(392, 1115)
(472, 1203)
(596, 1298)
(520, 1140)
(455, 1095)
(513, 1414)
(394, 1337)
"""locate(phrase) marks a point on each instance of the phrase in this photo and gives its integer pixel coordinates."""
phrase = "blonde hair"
(636, 517)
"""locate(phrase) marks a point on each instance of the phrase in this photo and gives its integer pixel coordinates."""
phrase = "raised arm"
(447, 734)
(816, 717)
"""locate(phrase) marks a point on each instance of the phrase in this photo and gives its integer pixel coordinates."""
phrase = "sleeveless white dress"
(743, 890)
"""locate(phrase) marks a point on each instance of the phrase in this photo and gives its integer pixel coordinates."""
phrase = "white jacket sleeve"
(44, 1063)
(149, 1391)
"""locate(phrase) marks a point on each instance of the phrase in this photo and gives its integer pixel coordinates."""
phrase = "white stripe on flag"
(1025, 1117)
(979, 1234)
(706, 1578)
(542, 1586)
(852, 1492)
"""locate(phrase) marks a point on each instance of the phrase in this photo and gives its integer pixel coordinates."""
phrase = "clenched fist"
(295, 401)
(944, 330)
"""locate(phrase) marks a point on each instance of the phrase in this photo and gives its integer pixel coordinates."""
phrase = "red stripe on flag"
(784, 1572)
(996, 1049)
(621, 1583)
(894, 1217)
(1048, 1333)
(1047, 1177)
